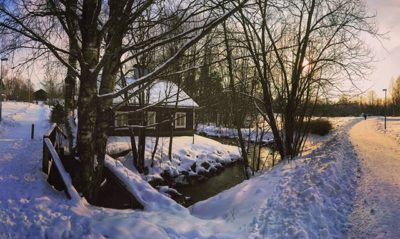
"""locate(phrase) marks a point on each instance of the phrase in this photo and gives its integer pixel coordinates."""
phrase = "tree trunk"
(135, 154)
(88, 102)
(155, 146)
(233, 103)
(70, 79)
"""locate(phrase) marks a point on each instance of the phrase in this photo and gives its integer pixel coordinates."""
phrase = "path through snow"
(376, 211)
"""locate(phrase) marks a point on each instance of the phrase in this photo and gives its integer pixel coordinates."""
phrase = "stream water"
(229, 177)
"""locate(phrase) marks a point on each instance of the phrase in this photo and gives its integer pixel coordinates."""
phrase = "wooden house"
(161, 109)
(40, 95)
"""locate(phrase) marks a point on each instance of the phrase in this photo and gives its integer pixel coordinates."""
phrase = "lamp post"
(1, 83)
(385, 90)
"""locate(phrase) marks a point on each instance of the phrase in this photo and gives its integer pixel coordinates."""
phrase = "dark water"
(268, 157)
(229, 177)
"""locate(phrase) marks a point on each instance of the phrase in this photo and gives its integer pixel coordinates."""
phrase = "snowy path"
(376, 212)
(23, 192)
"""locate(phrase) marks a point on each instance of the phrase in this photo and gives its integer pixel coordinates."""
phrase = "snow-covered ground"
(223, 132)
(310, 197)
(315, 141)
(392, 126)
(186, 151)
(377, 206)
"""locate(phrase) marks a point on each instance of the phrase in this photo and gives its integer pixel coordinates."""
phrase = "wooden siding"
(162, 114)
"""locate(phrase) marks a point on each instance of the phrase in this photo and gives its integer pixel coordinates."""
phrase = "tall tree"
(98, 32)
(299, 47)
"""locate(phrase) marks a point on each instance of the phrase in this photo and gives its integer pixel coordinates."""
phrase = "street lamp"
(1, 83)
(385, 90)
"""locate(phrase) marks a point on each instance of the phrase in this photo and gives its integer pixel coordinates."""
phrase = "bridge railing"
(52, 165)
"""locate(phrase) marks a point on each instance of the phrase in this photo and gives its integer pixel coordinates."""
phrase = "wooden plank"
(70, 190)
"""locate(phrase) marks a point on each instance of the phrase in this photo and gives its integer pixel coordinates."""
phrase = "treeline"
(339, 109)
(369, 104)
(18, 88)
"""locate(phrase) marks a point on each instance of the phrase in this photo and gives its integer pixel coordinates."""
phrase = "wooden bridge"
(62, 172)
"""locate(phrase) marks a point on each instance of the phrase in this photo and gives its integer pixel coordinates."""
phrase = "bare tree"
(299, 47)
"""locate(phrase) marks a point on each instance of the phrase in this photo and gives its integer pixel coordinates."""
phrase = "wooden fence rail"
(59, 168)
(52, 164)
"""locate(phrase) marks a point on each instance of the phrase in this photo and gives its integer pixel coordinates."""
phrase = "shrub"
(57, 114)
(320, 126)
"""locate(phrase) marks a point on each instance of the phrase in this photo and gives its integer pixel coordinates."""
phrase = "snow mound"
(188, 155)
(149, 197)
(311, 197)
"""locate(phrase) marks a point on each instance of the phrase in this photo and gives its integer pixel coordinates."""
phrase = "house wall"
(40, 95)
(162, 114)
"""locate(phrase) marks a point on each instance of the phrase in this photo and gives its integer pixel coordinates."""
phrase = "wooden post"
(33, 131)
(45, 160)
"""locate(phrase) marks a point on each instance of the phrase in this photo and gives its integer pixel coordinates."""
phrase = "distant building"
(164, 108)
(40, 95)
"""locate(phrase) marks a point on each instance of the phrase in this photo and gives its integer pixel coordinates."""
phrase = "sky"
(386, 50)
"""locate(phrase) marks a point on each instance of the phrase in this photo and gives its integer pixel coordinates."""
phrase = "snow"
(185, 153)
(162, 91)
(392, 126)
(377, 205)
(144, 192)
(64, 175)
(310, 197)
(224, 132)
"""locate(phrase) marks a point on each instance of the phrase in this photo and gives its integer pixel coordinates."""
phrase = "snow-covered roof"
(161, 91)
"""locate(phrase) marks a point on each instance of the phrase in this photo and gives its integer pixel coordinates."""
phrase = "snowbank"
(223, 132)
(309, 198)
(144, 192)
(201, 157)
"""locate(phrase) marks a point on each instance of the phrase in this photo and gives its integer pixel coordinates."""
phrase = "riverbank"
(194, 159)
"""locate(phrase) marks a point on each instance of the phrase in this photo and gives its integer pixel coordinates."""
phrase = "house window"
(151, 118)
(121, 120)
(180, 120)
